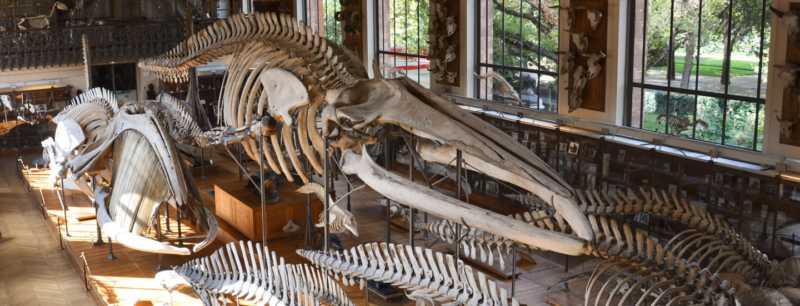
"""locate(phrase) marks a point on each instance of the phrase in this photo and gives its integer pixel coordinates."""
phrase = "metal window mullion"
(755, 128)
(697, 67)
(727, 70)
(670, 64)
(521, 49)
(419, 49)
(503, 31)
(761, 47)
(539, 12)
(644, 63)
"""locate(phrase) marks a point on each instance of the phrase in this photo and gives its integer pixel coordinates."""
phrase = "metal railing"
(109, 43)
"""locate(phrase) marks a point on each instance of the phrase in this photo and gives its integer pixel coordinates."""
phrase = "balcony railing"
(109, 43)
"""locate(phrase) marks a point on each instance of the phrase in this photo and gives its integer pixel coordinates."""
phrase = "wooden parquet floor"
(128, 280)
(33, 269)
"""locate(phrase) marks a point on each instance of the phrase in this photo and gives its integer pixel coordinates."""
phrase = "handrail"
(754, 162)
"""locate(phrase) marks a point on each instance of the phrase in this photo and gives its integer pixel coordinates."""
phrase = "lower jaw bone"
(405, 192)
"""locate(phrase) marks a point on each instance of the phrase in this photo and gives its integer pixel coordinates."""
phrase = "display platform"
(238, 205)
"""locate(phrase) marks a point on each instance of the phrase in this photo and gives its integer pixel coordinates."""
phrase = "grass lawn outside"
(712, 66)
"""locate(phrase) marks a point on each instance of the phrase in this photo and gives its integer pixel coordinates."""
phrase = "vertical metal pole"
(411, 177)
(388, 201)
(458, 196)
(64, 206)
(261, 199)
(111, 250)
(309, 221)
(349, 189)
(180, 232)
(166, 212)
(99, 240)
(326, 176)
(513, 271)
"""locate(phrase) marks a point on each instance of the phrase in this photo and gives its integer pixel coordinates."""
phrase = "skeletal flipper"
(255, 274)
(426, 274)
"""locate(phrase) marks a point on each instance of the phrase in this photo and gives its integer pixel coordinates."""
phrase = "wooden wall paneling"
(445, 72)
(790, 111)
(595, 91)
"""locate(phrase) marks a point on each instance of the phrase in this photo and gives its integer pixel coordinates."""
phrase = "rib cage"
(601, 210)
(429, 275)
(259, 276)
(715, 254)
(631, 282)
(92, 110)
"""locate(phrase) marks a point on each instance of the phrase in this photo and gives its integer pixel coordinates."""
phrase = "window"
(518, 40)
(402, 39)
(321, 16)
(698, 69)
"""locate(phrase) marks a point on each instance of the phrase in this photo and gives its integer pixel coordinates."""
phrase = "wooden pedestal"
(240, 207)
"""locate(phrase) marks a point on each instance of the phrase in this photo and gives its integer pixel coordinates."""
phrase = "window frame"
(380, 52)
(725, 96)
(478, 64)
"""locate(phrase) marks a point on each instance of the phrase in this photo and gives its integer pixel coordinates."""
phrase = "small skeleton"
(41, 21)
(593, 62)
(580, 78)
(501, 85)
(790, 74)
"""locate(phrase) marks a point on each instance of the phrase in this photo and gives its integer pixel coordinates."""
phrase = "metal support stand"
(309, 221)
(388, 201)
(326, 177)
(261, 199)
(64, 207)
(411, 211)
(99, 240)
(458, 196)
(180, 232)
(111, 250)
(513, 271)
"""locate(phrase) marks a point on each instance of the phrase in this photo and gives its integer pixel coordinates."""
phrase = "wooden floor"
(33, 269)
(128, 280)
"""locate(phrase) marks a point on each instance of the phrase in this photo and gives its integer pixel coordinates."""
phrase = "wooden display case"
(239, 206)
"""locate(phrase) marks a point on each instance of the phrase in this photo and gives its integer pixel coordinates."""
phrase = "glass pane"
(713, 39)
(548, 93)
(709, 119)
(681, 114)
(638, 42)
(655, 108)
(740, 124)
(685, 41)
(636, 107)
(549, 35)
(746, 45)
(658, 20)
(760, 129)
(765, 54)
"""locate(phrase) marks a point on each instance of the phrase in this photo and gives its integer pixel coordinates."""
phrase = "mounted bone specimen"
(501, 86)
(581, 41)
(429, 276)
(255, 275)
(579, 79)
(790, 74)
(594, 64)
(146, 171)
(41, 21)
(443, 42)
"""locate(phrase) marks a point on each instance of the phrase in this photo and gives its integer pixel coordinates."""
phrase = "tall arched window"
(698, 69)
(518, 40)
